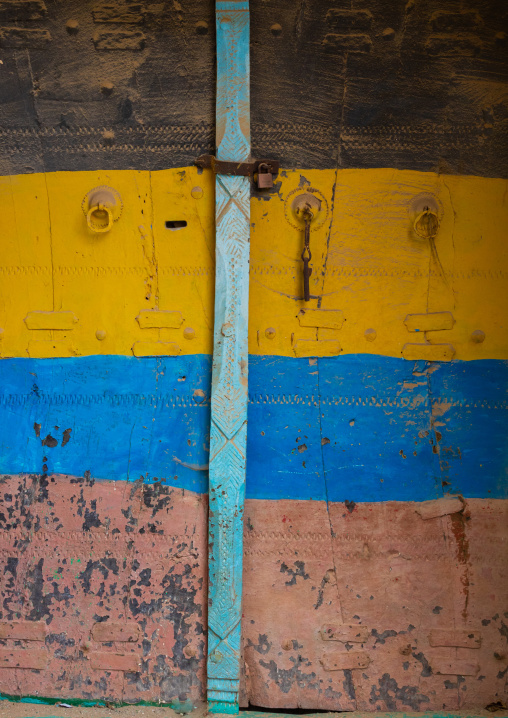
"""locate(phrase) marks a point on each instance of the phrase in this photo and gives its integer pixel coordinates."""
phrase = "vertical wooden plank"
(228, 428)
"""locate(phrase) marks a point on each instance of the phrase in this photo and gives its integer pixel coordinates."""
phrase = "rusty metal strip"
(27, 658)
(240, 169)
(344, 633)
(23, 630)
(228, 430)
(455, 638)
(109, 661)
(345, 661)
(119, 632)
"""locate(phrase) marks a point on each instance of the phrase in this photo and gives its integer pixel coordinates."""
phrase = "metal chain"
(306, 254)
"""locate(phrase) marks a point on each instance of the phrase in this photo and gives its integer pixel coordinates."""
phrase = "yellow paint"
(142, 288)
(313, 347)
(321, 318)
(50, 320)
(152, 319)
(155, 349)
(436, 321)
(428, 352)
(50, 348)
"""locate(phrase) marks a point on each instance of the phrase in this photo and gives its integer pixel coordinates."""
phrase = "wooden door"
(375, 511)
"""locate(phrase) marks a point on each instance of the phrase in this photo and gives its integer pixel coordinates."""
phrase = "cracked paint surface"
(376, 486)
(80, 553)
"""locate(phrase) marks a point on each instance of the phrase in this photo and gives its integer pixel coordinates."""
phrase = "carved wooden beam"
(228, 430)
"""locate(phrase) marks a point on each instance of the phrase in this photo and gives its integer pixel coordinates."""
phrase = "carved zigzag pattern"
(228, 430)
(226, 650)
(231, 190)
(228, 407)
(227, 467)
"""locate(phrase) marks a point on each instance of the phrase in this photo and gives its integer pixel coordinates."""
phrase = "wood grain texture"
(412, 86)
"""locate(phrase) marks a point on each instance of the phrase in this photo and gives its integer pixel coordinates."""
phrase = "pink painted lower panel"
(77, 555)
(380, 580)
(373, 606)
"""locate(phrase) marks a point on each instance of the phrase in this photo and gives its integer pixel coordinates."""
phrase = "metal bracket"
(242, 169)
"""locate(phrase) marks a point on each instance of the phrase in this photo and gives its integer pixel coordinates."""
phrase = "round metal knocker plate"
(300, 199)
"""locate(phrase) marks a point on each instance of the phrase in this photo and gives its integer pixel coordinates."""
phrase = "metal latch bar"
(242, 169)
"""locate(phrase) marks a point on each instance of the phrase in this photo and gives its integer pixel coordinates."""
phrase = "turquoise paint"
(110, 404)
(228, 424)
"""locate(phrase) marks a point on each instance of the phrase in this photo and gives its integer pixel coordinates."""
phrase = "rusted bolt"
(270, 333)
(276, 29)
(201, 27)
(227, 329)
(196, 192)
(370, 334)
(100, 334)
(477, 336)
(216, 657)
(189, 651)
(287, 644)
(189, 333)
(72, 27)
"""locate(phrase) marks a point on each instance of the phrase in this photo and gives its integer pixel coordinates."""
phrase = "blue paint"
(128, 417)
(108, 402)
(377, 416)
(228, 427)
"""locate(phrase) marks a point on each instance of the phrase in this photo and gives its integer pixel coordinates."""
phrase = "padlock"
(265, 179)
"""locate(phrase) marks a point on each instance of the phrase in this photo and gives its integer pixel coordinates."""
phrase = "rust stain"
(458, 524)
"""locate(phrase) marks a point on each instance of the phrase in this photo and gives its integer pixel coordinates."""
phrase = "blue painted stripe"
(353, 427)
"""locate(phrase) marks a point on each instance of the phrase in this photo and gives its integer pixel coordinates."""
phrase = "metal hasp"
(244, 169)
(228, 429)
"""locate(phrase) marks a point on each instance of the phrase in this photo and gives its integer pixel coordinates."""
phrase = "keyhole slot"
(174, 224)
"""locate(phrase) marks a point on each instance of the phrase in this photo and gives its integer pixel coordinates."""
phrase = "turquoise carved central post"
(228, 429)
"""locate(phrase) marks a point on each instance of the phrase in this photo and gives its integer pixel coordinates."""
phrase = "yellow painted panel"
(316, 348)
(52, 262)
(106, 279)
(48, 348)
(26, 273)
(321, 318)
(186, 256)
(370, 269)
(378, 270)
(51, 320)
(433, 322)
(155, 349)
(154, 319)
(428, 352)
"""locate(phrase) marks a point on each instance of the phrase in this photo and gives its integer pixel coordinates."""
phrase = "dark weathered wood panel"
(416, 85)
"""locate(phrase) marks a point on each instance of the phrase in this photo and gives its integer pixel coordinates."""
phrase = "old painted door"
(376, 494)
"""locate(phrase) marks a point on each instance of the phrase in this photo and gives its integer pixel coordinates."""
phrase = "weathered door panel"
(79, 547)
(376, 510)
(372, 441)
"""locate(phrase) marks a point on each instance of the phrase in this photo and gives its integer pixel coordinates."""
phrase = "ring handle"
(100, 218)
(426, 224)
